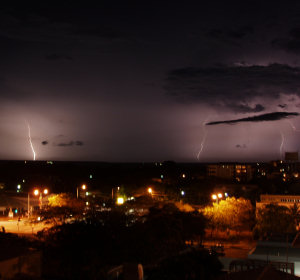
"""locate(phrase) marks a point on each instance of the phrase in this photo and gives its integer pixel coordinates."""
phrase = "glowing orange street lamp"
(83, 187)
(120, 200)
(216, 197)
(150, 191)
(37, 192)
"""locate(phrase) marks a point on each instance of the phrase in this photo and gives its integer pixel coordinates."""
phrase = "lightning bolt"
(29, 137)
(203, 139)
(281, 145)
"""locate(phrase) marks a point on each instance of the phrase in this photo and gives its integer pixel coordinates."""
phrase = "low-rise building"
(280, 249)
(232, 171)
(282, 200)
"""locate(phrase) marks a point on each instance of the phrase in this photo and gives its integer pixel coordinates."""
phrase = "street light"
(216, 197)
(120, 200)
(38, 192)
(83, 187)
(150, 190)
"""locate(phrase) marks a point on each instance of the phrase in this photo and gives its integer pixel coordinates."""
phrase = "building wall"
(282, 200)
(237, 172)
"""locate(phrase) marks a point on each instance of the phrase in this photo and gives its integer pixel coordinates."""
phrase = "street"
(234, 250)
(22, 227)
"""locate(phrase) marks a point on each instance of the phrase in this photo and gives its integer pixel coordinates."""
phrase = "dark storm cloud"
(62, 25)
(290, 43)
(247, 109)
(70, 144)
(63, 144)
(241, 146)
(282, 106)
(238, 33)
(102, 31)
(233, 87)
(78, 143)
(214, 33)
(275, 116)
(55, 56)
(45, 142)
(241, 32)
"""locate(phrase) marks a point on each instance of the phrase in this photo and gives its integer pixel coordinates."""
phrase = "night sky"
(140, 80)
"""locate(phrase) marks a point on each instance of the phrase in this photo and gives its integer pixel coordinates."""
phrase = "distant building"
(260, 270)
(282, 249)
(291, 156)
(282, 200)
(234, 171)
(278, 169)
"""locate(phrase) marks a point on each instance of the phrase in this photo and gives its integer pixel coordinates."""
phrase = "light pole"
(37, 192)
(112, 192)
(28, 205)
(83, 187)
(45, 192)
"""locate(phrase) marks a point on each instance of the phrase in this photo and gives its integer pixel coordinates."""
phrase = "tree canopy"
(232, 213)
(274, 219)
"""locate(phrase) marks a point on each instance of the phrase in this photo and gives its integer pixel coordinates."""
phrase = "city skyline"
(136, 81)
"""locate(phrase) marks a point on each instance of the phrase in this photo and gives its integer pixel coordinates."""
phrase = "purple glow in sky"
(137, 81)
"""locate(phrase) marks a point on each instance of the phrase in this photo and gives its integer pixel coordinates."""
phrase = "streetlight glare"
(120, 200)
(214, 196)
(83, 187)
(220, 195)
(36, 192)
(46, 191)
(150, 190)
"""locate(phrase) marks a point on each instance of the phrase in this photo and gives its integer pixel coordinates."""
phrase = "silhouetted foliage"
(196, 264)
(87, 248)
(62, 207)
(273, 219)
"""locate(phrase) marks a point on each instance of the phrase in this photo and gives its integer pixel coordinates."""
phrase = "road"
(234, 250)
(22, 227)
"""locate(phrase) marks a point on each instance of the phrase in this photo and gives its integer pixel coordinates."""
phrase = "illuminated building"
(235, 171)
(282, 200)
